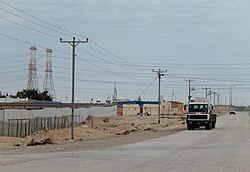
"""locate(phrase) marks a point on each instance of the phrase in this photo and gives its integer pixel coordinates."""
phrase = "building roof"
(138, 102)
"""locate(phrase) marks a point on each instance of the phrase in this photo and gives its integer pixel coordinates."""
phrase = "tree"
(34, 94)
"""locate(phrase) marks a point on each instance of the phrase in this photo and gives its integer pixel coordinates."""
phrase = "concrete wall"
(21, 122)
(50, 112)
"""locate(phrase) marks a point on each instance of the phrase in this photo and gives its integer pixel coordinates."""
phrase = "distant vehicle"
(200, 113)
(232, 112)
(143, 114)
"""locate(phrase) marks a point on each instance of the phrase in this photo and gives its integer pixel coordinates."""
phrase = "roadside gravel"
(80, 145)
(106, 133)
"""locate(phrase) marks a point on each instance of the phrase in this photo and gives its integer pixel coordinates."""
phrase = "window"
(198, 108)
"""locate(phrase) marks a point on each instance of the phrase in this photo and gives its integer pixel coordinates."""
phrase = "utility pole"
(189, 88)
(160, 74)
(172, 95)
(231, 97)
(214, 97)
(206, 88)
(226, 103)
(219, 98)
(73, 43)
(210, 95)
(218, 101)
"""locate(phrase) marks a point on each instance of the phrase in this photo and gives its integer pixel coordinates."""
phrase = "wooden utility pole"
(160, 74)
(206, 88)
(73, 43)
(189, 88)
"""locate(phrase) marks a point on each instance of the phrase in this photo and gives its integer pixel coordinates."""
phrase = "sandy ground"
(99, 133)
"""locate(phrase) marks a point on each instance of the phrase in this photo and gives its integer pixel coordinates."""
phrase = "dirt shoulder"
(99, 133)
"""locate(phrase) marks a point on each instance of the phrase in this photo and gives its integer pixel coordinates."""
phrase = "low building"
(145, 107)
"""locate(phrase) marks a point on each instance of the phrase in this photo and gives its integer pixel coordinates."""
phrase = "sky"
(202, 40)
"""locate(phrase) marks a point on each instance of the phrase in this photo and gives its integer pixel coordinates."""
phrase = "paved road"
(225, 149)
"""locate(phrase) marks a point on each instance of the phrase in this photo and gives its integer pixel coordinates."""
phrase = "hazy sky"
(204, 40)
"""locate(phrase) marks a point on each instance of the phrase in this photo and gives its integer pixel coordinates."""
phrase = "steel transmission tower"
(48, 84)
(32, 78)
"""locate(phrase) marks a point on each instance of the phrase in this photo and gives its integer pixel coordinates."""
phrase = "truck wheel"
(208, 126)
(189, 127)
(213, 124)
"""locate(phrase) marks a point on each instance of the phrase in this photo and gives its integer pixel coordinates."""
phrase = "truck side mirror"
(185, 107)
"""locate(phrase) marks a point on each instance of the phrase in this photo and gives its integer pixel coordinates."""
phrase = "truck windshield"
(198, 108)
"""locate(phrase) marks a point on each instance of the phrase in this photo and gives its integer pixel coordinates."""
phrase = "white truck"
(200, 113)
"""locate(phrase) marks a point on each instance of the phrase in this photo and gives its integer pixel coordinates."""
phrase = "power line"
(120, 63)
(203, 78)
(127, 83)
(124, 76)
(47, 33)
(50, 24)
(30, 43)
(43, 21)
(144, 91)
(123, 62)
(113, 73)
(35, 30)
(104, 59)
(34, 22)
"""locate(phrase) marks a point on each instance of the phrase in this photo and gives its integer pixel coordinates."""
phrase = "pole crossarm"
(73, 43)
(160, 74)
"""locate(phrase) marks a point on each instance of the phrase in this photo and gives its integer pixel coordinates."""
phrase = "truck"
(200, 113)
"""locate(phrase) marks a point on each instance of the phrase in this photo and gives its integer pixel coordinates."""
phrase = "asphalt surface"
(225, 148)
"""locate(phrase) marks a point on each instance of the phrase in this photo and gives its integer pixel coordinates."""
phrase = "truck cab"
(200, 113)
